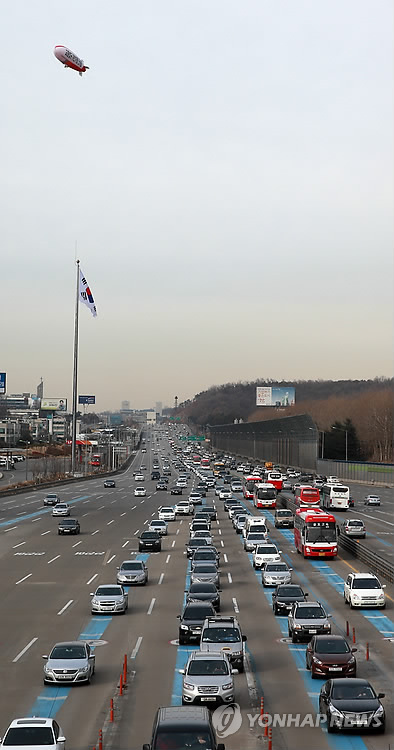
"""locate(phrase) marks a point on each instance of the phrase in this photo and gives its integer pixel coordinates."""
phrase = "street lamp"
(342, 429)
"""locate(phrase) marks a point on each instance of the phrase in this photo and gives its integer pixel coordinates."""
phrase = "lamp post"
(342, 429)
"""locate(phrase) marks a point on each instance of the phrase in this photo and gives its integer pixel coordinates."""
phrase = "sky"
(223, 171)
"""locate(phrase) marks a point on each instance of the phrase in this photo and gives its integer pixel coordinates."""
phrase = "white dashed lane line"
(21, 653)
(65, 607)
(150, 608)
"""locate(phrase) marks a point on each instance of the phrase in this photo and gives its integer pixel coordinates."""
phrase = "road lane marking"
(23, 579)
(136, 648)
(235, 605)
(18, 656)
(225, 558)
(161, 579)
(152, 604)
(95, 532)
(134, 507)
(125, 544)
(173, 544)
(101, 507)
(109, 522)
(46, 532)
(147, 521)
(91, 579)
(122, 514)
(76, 543)
(136, 532)
(177, 531)
(168, 559)
(110, 559)
(220, 531)
(53, 559)
(18, 545)
(222, 542)
(65, 607)
(230, 580)
(11, 529)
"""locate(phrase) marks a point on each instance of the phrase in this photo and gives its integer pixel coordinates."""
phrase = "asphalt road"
(45, 584)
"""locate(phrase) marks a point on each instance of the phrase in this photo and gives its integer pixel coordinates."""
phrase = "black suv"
(149, 541)
(183, 727)
(284, 597)
(191, 621)
(68, 526)
(155, 475)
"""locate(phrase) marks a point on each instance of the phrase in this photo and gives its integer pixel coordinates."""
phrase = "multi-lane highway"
(45, 587)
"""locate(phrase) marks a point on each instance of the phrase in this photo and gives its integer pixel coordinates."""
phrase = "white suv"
(364, 590)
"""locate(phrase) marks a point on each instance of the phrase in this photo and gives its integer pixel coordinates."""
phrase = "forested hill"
(223, 404)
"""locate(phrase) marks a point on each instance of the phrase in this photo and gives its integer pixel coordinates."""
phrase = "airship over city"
(69, 59)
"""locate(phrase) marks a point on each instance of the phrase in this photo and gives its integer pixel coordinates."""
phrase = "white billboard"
(267, 396)
(54, 404)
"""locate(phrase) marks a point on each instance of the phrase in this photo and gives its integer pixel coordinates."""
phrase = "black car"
(161, 486)
(204, 592)
(210, 511)
(285, 595)
(202, 489)
(183, 727)
(149, 541)
(351, 703)
(192, 619)
(229, 502)
(206, 555)
(176, 490)
(109, 483)
(194, 544)
(155, 475)
(68, 526)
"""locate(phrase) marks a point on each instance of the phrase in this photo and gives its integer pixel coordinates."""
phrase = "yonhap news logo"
(227, 720)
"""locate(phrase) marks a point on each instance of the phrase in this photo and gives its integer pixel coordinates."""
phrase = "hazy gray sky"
(225, 167)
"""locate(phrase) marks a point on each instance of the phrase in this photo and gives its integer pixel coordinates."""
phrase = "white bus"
(334, 497)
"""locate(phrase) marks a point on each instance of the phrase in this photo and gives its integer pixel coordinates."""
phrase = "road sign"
(2, 382)
(199, 438)
(86, 399)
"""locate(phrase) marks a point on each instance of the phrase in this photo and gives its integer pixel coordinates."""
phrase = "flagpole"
(75, 377)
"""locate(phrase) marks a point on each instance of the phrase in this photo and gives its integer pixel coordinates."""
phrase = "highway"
(45, 584)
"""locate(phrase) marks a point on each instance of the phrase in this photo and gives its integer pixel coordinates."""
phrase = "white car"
(372, 500)
(34, 733)
(158, 525)
(166, 513)
(224, 494)
(61, 509)
(266, 553)
(364, 590)
(139, 477)
(182, 483)
(140, 492)
(184, 508)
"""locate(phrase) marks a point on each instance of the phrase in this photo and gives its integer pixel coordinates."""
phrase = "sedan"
(69, 662)
(184, 508)
(202, 534)
(140, 492)
(109, 598)
(193, 544)
(330, 655)
(349, 702)
(196, 498)
(224, 493)
(149, 541)
(159, 526)
(372, 500)
(204, 592)
(161, 486)
(68, 526)
(35, 733)
(51, 499)
(167, 513)
(205, 573)
(284, 597)
(207, 554)
(176, 490)
(132, 572)
(139, 477)
(354, 527)
(61, 509)
(275, 573)
(253, 541)
(192, 620)
(109, 483)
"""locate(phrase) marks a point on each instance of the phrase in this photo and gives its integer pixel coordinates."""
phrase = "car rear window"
(29, 736)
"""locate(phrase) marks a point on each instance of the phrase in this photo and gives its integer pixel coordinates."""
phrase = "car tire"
(294, 638)
(241, 668)
(330, 727)
(182, 641)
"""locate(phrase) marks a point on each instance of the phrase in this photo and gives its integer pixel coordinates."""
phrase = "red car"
(330, 656)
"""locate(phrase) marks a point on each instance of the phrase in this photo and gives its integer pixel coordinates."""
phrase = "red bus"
(249, 484)
(95, 460)
(275, 478)
(315, 533)
(205, 463)
(307, 497)
(196, 460)
(264, 495)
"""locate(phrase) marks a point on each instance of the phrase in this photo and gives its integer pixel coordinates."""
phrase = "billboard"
(267, 396)
(86, 399)
(3, 378)
(54, 404)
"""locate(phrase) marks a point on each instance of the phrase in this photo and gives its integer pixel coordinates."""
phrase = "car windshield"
(52, 497)
(132, 566)
(284, 514)
(309, 613)
(266, 550)
(205, 569)
(352, 692)
(149, 535)
(366, 583)
(201, 667)
(355, 523)
(255, 537)
(68, 522)
(276, 568)
(167, 510)
(157, 523)
(68, 652)
(179, 740)
(29, 736)
(331, 646)
(195, 612)
(290, 591)
(198, 542)
(202, 588)
(221, 635)
(109, 591)
(204, 556)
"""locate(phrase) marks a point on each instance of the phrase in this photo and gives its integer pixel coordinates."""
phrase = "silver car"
(159, 526)
(132, 572)
(205, 573)
(254, 539)
(61, 509)
(69, 661)
(208, 678)
(274, 573)
(306, 619)
(51, 499)
(354, 527)
(372, 500)
(109, 598)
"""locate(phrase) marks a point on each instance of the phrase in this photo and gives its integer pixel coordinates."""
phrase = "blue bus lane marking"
(341, 741)
(52, 698)
(41, 512)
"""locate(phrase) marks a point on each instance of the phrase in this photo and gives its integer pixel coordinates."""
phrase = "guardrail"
(375, 562)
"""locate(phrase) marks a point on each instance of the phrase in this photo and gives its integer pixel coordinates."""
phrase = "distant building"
(40, 390)
(125, 405)
(159, 408)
